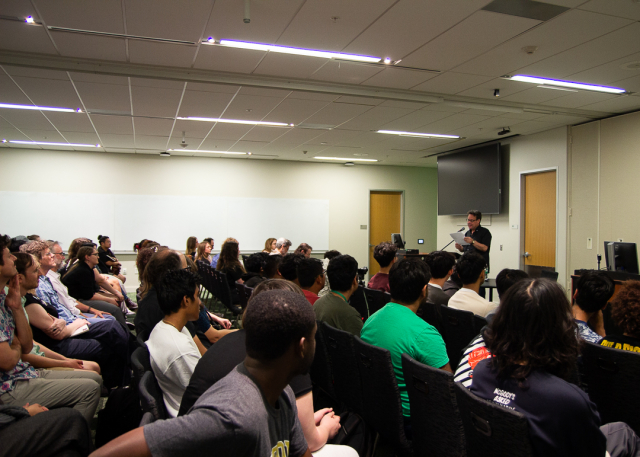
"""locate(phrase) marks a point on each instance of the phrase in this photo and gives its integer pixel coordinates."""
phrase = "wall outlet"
(363, 227)
(501, 247)
(514, 226)
(124, 272)
(589, 243)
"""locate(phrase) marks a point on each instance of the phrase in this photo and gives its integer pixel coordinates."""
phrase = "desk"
(488, 284)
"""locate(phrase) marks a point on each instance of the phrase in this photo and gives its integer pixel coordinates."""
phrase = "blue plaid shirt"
(48, 294)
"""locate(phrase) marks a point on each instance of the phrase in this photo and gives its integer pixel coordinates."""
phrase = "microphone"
(452, 240)
(461, 229)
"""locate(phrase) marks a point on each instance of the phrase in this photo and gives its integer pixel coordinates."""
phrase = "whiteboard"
(167, 219)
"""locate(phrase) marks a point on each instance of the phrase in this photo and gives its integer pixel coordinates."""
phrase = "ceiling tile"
(168, 55)
(152, 127)
(336, 114)
(228, 59)
(578, 99)
(398, 78)
(173, 20)
(35, 72)
(620, 104)
(609, 72)
(44, 135)
(375, 118)
(415, 120)
(228, 131)
(289, 65)
(112, 125)
(212, 144)
(153, 101)
(475, 35)
(359, 100)
(631, 84)
(451, 123)
(10, 93)
(17, 36)
(151, 142)
(100, 79)
(47, 92)
(404, 104)
(264, 134)
(90, 47)
(451, 83)
(81, 137)
(19, 9)
(628, 10)
(206, 87)
(251, 107)
(9, 132)
(104, 97)
(26, 120)
(294, 111)
(297, 136)
(529, 127)
(71, 122)
(95, 15)
(117, 141)
(248, 146)
(159, 83)
(486, 90)
(193, 128)
(302, 95)
(534, 95)
(204, 104)
(345, 72)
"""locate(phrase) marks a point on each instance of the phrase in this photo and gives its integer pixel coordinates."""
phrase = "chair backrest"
(147, 418)
(142, 337)
(381, 396)
(241, 294)
(460, 327)
(491, 429)
(553, 275)
(357, 300)
(140, 363)
(321, 372)
(344, 366)
(376, 299)
(224, 293)
(207, 275)
(432, 315)
(435, 420)
(247, 291)
(611, 377)
(151, 396)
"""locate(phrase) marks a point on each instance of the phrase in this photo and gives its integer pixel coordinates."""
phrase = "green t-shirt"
(338, 314)
(397, 329)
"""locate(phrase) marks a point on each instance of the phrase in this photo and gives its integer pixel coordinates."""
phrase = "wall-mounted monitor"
(621, 256)
(470, 180)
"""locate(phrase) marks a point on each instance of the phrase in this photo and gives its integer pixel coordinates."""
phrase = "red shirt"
(380, 281)
(310, 296)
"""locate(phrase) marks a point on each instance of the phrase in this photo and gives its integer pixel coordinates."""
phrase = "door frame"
(521, 193)
(402, 199)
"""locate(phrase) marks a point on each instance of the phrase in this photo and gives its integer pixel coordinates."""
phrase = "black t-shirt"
(562, 420)
(103, 258)
(623, 342)
(252, 279)
(39, 335)
(81, 281)
(218, 362)
(149, 314)
(481, 235)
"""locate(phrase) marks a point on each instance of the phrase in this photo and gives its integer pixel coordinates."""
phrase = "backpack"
(121, 414)
(355, 433)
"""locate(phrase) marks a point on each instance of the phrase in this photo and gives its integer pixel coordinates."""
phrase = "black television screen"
(469, 180)
(621, 256)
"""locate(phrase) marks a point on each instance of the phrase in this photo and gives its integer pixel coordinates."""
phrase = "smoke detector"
(183, 143)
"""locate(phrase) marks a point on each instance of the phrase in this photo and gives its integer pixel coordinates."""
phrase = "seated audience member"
(16, 242)
(593, 291)
(453, 284)
(282, 246)
(334, 308)
(142, 259)
(229, 264)
(470, 267)
(254, 264)
(107, 261)
(34, 238)
(311, 278)
(325, 264)
(98, 308)
(534, 352)
(174, 355)
(477, 349)
(149, 311)
(289, 265)
(385, 255)
(272, 267)
(252, 411)
(269, 245)
(625, 312)
(222, 358)
(22, 432)
(215, 258)
(20, 383)
(203, 253)
(304, 249)
(441, 265)
(192, 244)
(397, 328)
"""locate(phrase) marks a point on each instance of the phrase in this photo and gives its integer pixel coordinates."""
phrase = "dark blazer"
(437, 296)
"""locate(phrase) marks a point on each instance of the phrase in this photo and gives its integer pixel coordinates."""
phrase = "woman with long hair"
(204, 253)
(229, 264)
(269, 245)
(534, 348)
(192, 244)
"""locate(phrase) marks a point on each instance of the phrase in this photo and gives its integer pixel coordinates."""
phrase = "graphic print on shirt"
(622, 346)
(476, 356)
(281, 449)
(504, 398)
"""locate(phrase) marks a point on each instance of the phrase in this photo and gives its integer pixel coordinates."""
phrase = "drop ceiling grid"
(83, 14)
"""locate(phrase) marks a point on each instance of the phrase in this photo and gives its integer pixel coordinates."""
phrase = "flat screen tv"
(470, 180)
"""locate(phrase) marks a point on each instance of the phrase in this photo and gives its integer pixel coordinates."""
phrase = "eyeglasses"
(63, 254)
(471, 220)
(95, 253)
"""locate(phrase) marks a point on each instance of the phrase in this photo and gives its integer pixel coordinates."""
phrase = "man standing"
(470, 268)
(478, 237)
(441, 264)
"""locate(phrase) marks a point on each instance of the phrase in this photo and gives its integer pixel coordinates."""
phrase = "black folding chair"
(435, 421)
(460, 327)
(147, 418)
(151, 396)
(491, 429)
(359, 302)
(432, 315)
(140, 363)
(376, 299)
(321, 372)
(224, 292)
(243, 298)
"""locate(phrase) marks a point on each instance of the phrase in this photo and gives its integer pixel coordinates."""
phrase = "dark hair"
(33, 237)
(331, 254)
(475, 213)
(470, 267)
(5, 242)
(595, 289)
(23, 261)
(191, 245)
(102, 238)
(15, 244)
(440, 263)
(274, 320)
(407, 278)
(160, 262)
(384, 253)
(289, 265)
(507, 278)
(229, 256)
(83, 252)
(341, 272)
(209, 240)
(533, 329)
(142, 259)
(308, 270)
(303, 249)
(173, 286)
(255, 262)
(271, 266)
(625, 309)
(276, 284)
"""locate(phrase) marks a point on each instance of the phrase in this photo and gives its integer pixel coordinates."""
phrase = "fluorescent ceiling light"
(570, 84)
(295, 51)
(235, 121)
(37, 108)
(557, 88)
(417, 135)
(210, 152)
(348, 160)
(48, 143)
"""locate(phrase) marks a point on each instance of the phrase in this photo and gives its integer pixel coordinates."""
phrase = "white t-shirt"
(469, 300)
(174, 356)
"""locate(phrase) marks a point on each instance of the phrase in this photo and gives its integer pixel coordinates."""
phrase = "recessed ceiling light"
(387, 60)
(235, 121)
(570, 84)
(49, 143)
(417, 134)
(37, 108)
(290, 50)
(209, 152)
(348, 160)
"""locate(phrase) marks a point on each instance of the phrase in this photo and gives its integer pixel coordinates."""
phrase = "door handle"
(526, 255)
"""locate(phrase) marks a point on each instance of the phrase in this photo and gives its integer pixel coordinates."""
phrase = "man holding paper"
(477, 238)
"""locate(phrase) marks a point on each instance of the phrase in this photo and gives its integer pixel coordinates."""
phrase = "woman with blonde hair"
(204, 253)
(269, 245)
(192, 244)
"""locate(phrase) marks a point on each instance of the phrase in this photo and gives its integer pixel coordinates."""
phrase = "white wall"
(520, 155)
(346, 188)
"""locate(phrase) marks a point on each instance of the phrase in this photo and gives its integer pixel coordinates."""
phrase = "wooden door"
(540, 222)
(385, 213)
